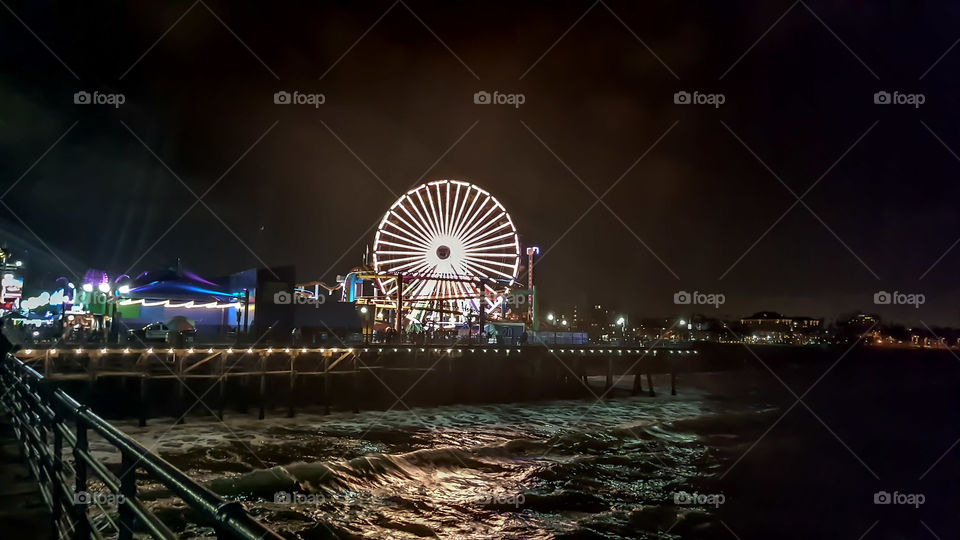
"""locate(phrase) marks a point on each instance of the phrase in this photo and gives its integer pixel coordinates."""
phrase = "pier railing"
(49, 424)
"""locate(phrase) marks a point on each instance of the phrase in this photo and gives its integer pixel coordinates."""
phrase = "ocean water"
(555, 469)
(733, 455)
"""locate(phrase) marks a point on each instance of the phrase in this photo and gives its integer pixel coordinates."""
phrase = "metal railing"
(47, 420)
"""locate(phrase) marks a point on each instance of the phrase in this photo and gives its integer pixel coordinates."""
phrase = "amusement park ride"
(446, 255)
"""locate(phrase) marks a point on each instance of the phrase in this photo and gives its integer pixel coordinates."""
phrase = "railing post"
(59, 488)
(128, 491)
(82, 526)
(44, 461)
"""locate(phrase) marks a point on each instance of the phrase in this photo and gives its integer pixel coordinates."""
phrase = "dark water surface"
(621, 468)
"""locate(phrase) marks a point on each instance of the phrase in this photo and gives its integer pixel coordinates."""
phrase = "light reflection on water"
(562, 469)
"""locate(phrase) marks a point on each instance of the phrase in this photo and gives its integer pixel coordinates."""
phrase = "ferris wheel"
(456, 247)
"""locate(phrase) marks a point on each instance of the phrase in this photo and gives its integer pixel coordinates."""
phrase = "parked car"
(157, 331)
(160, 331)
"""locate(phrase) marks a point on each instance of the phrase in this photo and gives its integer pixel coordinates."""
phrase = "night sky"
(798, 81)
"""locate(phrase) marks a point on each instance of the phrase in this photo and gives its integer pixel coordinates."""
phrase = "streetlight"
(87, 287)
(104, 287)
(123, 289)
(549, 316)
(363, 309)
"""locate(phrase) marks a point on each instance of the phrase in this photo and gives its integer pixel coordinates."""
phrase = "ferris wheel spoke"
(480, 269)
(427, 289)
(467, 291)
(426, 214)
(488, 261)
(409, 254)
(461, 223)
(482, 253)
(410, 241)
(433, 211)
(458, 204)
(410, 231)
(397, 245)
(489, 227)
(482, 240)
(422, 220)
(489, 270)
(409, 266)
(441, 203)
(445, 207)
(416, 290)
(477, 212)
(422, 224)
(482, 224)
(472, 213)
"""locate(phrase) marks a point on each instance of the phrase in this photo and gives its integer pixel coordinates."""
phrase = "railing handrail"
(229, 518)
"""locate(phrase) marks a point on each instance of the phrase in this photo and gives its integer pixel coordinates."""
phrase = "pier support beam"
(263, 386)
(608, 383)
(222, 381)
(291, 396)
(181, 387)
(326, 385)
(355, 385)
(143, 401)
(673, 384)
(650, 384)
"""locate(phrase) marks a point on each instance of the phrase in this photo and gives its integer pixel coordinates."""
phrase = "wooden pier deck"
(163, 381)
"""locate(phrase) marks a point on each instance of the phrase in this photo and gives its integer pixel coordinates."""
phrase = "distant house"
(772, 321)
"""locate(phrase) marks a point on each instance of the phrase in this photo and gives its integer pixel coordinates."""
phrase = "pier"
(175, 382)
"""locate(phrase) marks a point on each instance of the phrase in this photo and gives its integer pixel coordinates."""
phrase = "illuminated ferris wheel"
(456, 247)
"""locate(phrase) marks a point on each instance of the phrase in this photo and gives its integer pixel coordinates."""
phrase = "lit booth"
(214, 309)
